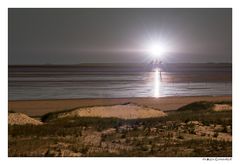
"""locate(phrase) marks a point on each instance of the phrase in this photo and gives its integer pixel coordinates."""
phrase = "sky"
(74, 36)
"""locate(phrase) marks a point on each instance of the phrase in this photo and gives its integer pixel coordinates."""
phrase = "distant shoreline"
(127, 67)
(113, 64)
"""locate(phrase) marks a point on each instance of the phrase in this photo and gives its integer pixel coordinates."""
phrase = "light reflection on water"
(101, 84)
(157, 83)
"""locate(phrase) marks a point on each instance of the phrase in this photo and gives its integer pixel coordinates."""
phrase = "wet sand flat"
(41, 107)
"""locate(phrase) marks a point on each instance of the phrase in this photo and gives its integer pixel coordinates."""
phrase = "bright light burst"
(157, 50)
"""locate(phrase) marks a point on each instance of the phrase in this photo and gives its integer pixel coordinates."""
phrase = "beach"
(177, 110)
(41, 107)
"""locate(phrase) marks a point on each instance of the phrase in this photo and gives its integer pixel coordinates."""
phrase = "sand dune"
(222, 107)
(21, 119)
(128, 111)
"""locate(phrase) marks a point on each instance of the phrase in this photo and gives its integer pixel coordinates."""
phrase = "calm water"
(111, 82)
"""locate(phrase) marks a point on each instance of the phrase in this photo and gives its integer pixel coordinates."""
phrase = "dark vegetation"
(202, 105)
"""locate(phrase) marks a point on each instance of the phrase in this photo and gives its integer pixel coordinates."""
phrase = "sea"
(29, 82)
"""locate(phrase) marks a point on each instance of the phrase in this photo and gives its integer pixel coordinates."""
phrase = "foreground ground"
(197, 129)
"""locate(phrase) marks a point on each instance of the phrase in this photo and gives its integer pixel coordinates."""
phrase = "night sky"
(73, 36)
